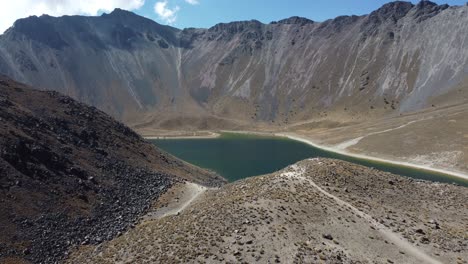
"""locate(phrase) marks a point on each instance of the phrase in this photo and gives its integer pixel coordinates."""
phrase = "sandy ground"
(436, 139)
(339, 149)
(182, 134)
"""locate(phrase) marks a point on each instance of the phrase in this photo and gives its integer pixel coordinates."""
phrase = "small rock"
(424, 240)
(420, 231)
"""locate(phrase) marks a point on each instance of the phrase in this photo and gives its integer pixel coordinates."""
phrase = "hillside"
(71, 175)
(315, 211)
(400, 58)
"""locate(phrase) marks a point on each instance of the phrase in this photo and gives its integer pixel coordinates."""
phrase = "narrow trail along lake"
(238, 156)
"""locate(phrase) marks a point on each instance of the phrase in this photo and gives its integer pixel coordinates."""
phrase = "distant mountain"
(399, 58)
(71, 175)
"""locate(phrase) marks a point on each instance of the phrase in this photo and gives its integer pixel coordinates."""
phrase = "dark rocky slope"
(396, 59)
(70, 174)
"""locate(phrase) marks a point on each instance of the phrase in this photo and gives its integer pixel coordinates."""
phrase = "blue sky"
(206, 13)
(195, 13)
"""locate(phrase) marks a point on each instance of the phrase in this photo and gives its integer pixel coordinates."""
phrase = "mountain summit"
(399, 58)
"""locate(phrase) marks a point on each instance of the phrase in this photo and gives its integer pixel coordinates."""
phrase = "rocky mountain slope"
(399, 58)
(71, 175)
(315, 211)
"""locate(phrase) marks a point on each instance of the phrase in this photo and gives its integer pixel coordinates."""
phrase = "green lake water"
(238, 156)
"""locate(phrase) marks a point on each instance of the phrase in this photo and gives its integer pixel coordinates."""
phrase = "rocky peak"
(388, 13)
(427, 9)
(336, 25)
(226, 31)
(129, 18)
(295, 20)
(395, 10)
(425, 4)
(235, 27)
(40, 29)
(120, 12)
(129, 28)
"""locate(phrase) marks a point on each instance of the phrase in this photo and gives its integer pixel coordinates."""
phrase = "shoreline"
(306, 140)
(211, 135)
(310, 142)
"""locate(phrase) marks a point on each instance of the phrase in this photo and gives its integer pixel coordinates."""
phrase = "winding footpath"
(194, 192)
(298, 173)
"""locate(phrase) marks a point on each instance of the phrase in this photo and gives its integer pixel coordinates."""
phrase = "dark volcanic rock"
(71, 175)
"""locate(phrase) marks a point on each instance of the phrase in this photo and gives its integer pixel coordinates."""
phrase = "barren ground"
(315, 211)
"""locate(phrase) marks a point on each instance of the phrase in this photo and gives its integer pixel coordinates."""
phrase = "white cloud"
(192, 2)
(13, 10)
(165, 13)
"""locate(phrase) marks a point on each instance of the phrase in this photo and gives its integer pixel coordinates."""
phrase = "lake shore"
(306, 140)
(311, 142)
(185, 135)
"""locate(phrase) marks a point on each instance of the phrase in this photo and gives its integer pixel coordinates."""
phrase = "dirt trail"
(348, 143)
(187, 194)
(298, 172)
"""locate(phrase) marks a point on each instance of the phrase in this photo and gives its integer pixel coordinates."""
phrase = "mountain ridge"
(286, 71)
(424, 5)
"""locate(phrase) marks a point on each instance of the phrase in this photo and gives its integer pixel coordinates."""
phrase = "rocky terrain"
(396, 59)
(71, 175)
(78, 186)
(315, 211)
(334, 81)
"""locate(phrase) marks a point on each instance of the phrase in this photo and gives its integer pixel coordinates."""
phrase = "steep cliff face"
(393, 60)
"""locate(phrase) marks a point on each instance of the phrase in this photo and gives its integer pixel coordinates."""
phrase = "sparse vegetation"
(283, 218)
